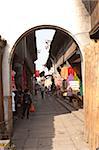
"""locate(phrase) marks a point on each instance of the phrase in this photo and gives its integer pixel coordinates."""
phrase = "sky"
(43, 36)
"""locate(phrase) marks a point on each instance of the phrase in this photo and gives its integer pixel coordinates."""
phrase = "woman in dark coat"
(26, 103)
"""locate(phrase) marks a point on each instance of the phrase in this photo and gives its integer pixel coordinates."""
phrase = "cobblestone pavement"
(51, 127)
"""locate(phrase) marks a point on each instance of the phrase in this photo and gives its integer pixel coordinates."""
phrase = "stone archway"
(47, 27)
(52, 27)
(9, 59)
(90, 56)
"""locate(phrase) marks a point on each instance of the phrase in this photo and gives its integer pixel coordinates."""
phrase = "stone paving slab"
(50, 128)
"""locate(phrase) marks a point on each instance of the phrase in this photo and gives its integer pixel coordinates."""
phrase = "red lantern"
(70, 71)
(37, 73)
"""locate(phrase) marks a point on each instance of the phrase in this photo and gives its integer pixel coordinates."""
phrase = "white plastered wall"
(19, 16)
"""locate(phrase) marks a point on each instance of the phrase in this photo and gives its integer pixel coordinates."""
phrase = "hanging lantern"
(37, 73)
(70, 71)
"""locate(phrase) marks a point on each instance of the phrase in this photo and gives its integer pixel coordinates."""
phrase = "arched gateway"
(64, 37)
(86, 83)
(73, 19)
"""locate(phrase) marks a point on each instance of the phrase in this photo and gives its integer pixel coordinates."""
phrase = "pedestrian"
(35, 89)
(42, 91)
(16, 97)
(70, 93)
(18, 102)
(26, 103)
(13, 102)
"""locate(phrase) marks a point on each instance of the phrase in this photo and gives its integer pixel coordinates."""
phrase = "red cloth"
(13, 80)
(37, 73)
(70, 71)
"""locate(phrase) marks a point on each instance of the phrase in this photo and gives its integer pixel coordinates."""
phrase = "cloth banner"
(64, 72)
(70, 77)
(70, 71)
(37, 73)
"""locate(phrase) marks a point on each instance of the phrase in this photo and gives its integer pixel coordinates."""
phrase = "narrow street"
(51, 127)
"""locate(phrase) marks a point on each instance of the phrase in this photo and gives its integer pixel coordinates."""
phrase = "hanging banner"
(37, 73)
(70, 77)
(76, 77)
(74, 85)
(70, 71)
(64, 72)
(13, 80)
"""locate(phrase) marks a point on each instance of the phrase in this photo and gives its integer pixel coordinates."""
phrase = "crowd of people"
(21, 103)
(21, 100)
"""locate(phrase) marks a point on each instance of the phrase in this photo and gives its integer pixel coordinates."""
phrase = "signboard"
(74, 85)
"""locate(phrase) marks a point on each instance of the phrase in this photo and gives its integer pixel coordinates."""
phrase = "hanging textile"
(76, 77)
(37, 73)
(70, 71)
(64, 72)
(13, 80)
(70, 77)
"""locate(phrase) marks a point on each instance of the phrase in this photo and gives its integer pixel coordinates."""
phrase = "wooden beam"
(70, 51)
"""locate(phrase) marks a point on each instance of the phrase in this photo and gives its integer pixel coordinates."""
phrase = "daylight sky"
(43, 36)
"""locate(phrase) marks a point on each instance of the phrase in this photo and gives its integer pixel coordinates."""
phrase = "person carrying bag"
(32, 108)
(26, 103)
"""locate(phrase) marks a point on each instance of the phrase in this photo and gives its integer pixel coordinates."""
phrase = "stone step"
(79, 114)
(66, 105)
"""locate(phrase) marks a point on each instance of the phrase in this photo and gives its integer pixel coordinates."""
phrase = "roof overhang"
(31, 45)
(57, 45)
(94, 33)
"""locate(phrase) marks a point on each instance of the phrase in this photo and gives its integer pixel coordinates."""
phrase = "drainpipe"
(2, 45)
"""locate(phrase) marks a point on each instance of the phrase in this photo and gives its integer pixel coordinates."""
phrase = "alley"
(51, 127)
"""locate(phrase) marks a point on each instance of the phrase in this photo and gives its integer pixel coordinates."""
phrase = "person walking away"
(70, 93)
(26, 103)
(35, 89)
(42, 91)
(13, 103)
(16, 97)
